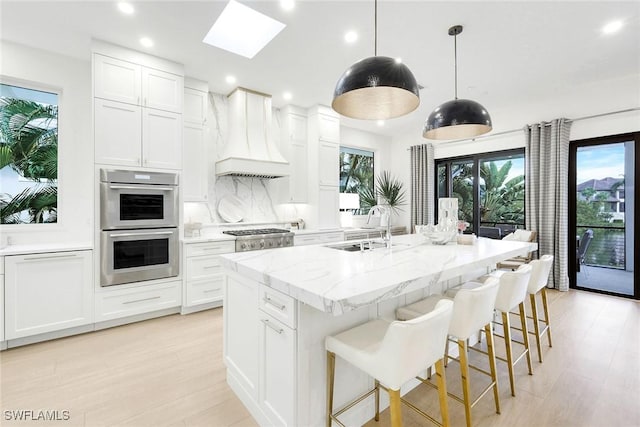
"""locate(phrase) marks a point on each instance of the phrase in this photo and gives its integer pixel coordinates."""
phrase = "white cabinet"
(162, 90)
(118, 133)
(294, 147)
(161, 134)
(114, 303)
(324, 167)
(204, 278)
(329, 163)
(241, 334)
(277, 371)
(195, 169)
(123, 81)
(47, 292)
(195, 106)
(117, 80)
(260, 348)
(137, 114)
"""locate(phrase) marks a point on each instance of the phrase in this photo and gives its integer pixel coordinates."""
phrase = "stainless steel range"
(261, 238)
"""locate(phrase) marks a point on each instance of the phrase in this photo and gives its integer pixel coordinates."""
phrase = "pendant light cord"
(375, 29)
(455, 64)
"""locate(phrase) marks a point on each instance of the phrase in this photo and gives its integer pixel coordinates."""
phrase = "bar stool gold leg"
(546, 314)
(464, 372)
(442, 393)
(396, 410)
(525, 334)
(377, 395)
(492, 365)
(507, 343)
(331, 370)
(536, 325)
(446, 353)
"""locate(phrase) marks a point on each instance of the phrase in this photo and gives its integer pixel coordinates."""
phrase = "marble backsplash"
(258, 196)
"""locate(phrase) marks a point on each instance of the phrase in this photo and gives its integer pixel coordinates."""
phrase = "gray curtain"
(547, 198)
(422, 185)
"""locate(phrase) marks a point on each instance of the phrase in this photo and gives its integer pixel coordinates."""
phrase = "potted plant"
(388, 192)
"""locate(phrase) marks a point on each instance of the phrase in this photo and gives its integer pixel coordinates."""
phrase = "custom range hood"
(250, 150)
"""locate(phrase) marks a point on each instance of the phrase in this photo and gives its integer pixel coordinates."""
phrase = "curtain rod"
(520, 130)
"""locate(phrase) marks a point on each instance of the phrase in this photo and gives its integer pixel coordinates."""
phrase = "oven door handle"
(140, 187)
(154, 233)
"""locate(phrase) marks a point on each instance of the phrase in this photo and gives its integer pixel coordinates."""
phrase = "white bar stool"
(392, 353)
(538, 285)
(512, 292)
(472, 310)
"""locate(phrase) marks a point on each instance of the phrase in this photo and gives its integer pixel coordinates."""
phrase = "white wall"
(570, 102)
(72, 78)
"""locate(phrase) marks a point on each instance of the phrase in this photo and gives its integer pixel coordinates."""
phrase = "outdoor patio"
(606, 279)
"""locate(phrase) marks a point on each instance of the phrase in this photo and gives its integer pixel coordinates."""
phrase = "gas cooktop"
(256, 231)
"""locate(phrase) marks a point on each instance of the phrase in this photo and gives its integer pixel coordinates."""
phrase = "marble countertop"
(336, 281)
(44, 248)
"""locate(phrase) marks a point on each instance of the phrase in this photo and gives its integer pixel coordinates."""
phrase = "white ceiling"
(504, 51)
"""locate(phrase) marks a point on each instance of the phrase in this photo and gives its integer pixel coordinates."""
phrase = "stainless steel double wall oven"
(139, 221)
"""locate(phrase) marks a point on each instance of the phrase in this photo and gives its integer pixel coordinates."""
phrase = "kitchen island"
(281, 304)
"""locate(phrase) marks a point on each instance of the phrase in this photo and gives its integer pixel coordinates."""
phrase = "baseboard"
(135, 318)
(17, 342)
(201, 307)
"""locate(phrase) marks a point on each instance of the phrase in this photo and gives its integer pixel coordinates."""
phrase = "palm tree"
(29, 146)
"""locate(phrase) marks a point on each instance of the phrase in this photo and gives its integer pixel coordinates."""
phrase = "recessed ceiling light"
(612, 27)
(351, 36)
(230, 79)
(380, 122)
(146, 42)
(287, 96)
(287, 4)
(398, 60)
(126, 8)
(242, 30)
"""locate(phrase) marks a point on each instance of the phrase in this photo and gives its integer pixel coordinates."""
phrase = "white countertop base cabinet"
(48, 292)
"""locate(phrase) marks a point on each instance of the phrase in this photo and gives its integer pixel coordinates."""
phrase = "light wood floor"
(169, 372)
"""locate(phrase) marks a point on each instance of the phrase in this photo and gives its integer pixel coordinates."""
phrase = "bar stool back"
(392, 353)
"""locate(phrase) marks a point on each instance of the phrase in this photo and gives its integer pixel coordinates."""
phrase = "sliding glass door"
(602, 214)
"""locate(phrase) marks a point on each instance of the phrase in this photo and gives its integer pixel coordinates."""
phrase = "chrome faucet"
(382, 210)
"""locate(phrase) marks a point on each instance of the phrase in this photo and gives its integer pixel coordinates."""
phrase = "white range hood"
(250, 150)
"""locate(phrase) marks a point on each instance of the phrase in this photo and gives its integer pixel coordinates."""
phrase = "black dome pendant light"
(458, 118)
(376, 88)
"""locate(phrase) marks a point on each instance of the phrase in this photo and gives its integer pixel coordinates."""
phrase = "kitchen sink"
(355, 247)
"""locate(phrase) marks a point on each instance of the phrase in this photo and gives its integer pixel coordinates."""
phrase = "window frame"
(59, 224)
(374, 154)
(475, 159)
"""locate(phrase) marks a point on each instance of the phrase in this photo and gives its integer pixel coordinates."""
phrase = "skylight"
(242, 30)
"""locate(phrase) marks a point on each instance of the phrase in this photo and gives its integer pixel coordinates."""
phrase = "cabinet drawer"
(131, 301)
(306, 240)
(210, 248)
(332, 237)
(205, 291)
(203, 267)
(278, 305)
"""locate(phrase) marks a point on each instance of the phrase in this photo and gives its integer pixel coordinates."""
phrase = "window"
(28, 155)
(489, 188)
(356, 176)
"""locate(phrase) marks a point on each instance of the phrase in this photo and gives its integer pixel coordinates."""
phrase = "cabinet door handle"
(153, 233)
(206, 267)
(269, 301)
(140, 187)
(268, 324)
(51, 256)
(141, 300)
(138, 101)
(208, 291)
